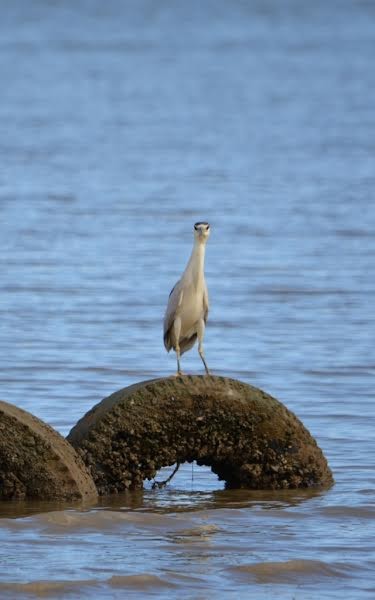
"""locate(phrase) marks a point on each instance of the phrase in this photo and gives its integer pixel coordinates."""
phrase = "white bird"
(186, 315)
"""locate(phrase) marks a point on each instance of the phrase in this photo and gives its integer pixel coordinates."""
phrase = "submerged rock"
(249, 439)
(37, 462)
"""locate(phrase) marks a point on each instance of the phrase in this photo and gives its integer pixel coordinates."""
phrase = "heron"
(187, 310)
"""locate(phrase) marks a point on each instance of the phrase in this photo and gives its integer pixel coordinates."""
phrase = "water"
(121, 125)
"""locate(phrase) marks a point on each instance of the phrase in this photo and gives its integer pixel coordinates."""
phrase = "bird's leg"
(161, 484)
(179, 372)
(177, 331)
(200, 333)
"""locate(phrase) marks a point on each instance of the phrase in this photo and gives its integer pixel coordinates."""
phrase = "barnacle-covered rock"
(37, 462)
(249, 439)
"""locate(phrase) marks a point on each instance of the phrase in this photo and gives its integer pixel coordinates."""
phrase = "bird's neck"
(195, 266)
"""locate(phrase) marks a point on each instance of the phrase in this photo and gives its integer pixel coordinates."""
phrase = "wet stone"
(37, 462)
(249, 439)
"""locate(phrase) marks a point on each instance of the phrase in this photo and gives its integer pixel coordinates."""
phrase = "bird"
(187, 309)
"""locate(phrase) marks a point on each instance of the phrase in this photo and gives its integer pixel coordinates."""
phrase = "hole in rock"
(189, 476)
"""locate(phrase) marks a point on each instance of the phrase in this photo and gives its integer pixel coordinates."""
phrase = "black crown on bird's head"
(201, 225)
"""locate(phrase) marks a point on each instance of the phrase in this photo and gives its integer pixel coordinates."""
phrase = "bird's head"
(201, 231)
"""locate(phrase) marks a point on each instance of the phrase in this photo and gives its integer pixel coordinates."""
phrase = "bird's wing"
(206, 305)
(175, 299)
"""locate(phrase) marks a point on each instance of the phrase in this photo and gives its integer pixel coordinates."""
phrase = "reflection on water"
(121, 125)
(180, 495)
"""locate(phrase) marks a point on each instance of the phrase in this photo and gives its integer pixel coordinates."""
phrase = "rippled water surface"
(121, 125)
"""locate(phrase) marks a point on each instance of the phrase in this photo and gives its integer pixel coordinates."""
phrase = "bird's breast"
(191, 309)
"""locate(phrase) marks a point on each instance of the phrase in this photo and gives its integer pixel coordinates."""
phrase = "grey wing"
(174, 301)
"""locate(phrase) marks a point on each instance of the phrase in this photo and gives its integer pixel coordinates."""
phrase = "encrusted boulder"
(249, 439)
(37, 462)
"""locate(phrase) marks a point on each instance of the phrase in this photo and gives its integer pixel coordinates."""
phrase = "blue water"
(121, 124)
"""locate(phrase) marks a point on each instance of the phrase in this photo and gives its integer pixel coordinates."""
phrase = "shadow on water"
(17, 509)
(172, 501)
